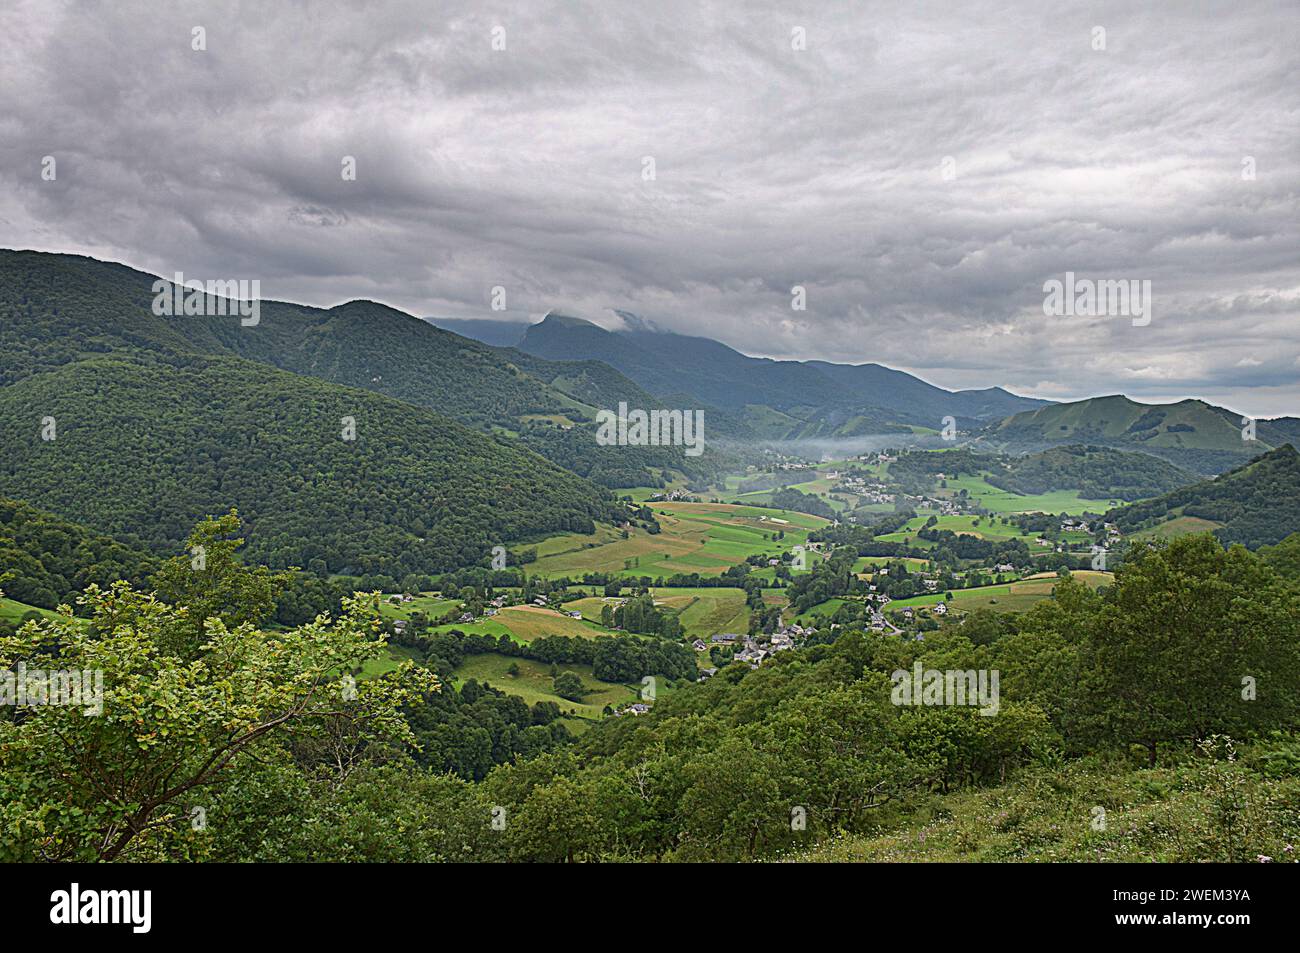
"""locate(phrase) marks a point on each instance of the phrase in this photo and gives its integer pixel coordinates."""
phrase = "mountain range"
(1190, 433)
(460, 445)
(806, 399)
(777, 399)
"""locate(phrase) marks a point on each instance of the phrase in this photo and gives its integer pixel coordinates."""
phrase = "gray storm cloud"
(920, 171)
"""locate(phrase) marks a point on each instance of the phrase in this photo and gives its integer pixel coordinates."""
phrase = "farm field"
(394, 655)
(1007, 597)
(527, 623)
(706, 538)
(865, 564)
(826, 608)
(431, 606)
(1003, 501)
(523, 624)
(1178, 526)
(989, 528)
(534, 683)
(1015, 596)
(705, 612)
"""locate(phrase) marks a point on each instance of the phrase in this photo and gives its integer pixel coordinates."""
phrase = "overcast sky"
(773, 167)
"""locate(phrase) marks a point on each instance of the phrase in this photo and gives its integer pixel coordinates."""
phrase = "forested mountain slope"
(45, 560)
(147, 445)
(1257, 504)
(59, 308)
(1096, 472)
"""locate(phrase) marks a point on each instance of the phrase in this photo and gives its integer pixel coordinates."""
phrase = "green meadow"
(706, 538)
(11, 610)
(534, 683)
(1003, 501)
(985, 527)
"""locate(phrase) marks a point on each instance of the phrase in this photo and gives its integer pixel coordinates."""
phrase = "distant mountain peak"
(556, 318)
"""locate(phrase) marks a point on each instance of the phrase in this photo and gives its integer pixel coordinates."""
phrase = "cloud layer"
(822, 167)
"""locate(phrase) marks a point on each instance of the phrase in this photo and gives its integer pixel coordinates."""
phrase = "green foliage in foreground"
(807, 753)
(1214, 804)
(174, 732)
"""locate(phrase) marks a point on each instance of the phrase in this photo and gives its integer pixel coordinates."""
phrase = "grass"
(866, 564)
(393, 656)
(1015, 596)
(986, 527)
(1178, 526)
(705, 538)
(12, 610)
(707, 611)
(534, 683)
(432, 606)
(1045, 815)
(1003, 501)
(1005, 597)
(703, 611)
(526, 623)
(826, 608)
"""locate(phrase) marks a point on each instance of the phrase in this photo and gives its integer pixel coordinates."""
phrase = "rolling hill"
(1096, 472)
(1190, 433)
(1257, 504)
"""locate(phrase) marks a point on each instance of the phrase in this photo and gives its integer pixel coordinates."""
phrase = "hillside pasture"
(705, 538)
(534, 683)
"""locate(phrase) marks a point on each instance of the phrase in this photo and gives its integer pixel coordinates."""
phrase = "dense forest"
(56, 309)
(45, 560)
(359, 482)
(1098, 473)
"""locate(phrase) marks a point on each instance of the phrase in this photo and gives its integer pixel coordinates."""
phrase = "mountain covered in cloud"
(792, 399)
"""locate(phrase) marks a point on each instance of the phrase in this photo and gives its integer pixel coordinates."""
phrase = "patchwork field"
(1009, 597)
(706, 538)
(1003, 501)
